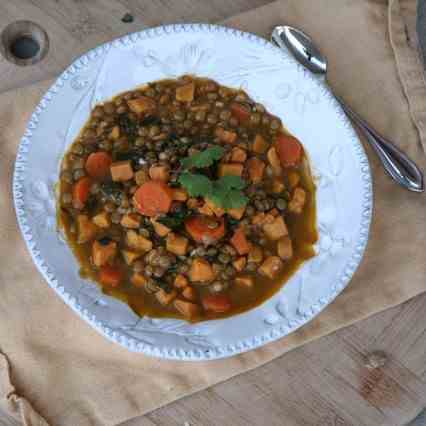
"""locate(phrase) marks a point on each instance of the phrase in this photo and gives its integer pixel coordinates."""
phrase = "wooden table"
(310, 385)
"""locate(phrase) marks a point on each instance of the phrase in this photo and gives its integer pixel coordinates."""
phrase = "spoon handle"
(396, 163)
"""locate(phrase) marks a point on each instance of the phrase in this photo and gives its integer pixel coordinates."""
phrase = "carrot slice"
(289, 150)
(97, 164)
(110, 276)
(240, 111)
(201, 230)
(80, 192)
(218, 303)
(153, 198)
(239, 241)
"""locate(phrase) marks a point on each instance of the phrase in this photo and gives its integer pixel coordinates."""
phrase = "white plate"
(236, 59)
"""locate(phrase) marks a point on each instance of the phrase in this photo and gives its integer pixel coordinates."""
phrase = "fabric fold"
(410, 67)
(13, 404)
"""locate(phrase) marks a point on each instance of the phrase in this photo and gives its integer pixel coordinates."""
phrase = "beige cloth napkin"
(71, 375)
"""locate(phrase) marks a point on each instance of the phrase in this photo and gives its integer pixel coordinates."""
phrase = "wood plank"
(76, 26)
(325, 382)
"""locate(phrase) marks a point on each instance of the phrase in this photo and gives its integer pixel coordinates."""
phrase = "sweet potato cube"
(138, 242)
(298, 201)
(234, 169)
(201, 271)
(85, 228)
(227, 136)
(192, 203)
(274, 161)
(131, 220)
(138, 280)
(276, 229)
(121, 171)
(179, 194)
(259, 144)
(293, 179)
(239, 263)
(141, 104)
(141, 176)
(269, 218)
(165, 298)
(240, 242)
(238, 155)
(271, 266)
(103, 253)
(130, 256)
(160, 229)
(206, 210)
(277, 186)
(189, 293)
(217, 211)
(102, 220)
(256, 169)
(285, 248)
(177, 244)
(236, 213)
(161, 173)
(188, 309)
(185, 93)
(181, 281)
(262, 218)
(258, 218)
(244, 281)
(255, 254)
(115, 133)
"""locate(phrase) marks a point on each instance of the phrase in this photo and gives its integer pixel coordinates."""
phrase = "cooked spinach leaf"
(127, 126)
(134, 155)
(175, 219)
(150, 120)
(112, 191)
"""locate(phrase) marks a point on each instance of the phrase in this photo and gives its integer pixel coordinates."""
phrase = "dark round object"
(127, 18)
(24, 47)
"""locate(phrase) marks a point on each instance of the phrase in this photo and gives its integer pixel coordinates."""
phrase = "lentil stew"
(187, 199)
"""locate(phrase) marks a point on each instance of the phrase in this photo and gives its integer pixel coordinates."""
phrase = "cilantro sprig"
(225, 192)
(197, 185)
(203, 159)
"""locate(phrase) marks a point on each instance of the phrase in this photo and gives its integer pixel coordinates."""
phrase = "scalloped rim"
(132, 344)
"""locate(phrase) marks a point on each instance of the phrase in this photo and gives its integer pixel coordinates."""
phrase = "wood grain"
(323, 383)
(75, 26)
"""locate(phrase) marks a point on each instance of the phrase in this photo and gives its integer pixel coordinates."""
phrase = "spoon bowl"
(302, 48)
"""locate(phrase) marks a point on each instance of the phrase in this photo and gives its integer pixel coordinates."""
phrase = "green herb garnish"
(197, 185)
(203, 159)
(225, 192)
(127, 125)
(231, 182)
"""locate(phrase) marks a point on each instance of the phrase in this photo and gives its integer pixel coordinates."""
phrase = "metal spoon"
(396, 163)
